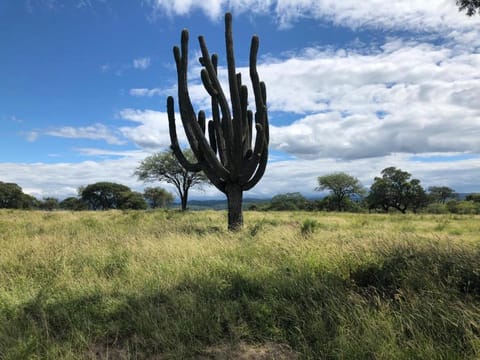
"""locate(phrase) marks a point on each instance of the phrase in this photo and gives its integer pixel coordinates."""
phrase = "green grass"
(168, 285)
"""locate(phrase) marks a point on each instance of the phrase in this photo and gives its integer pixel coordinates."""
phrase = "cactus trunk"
(232, 160)
(234, 198)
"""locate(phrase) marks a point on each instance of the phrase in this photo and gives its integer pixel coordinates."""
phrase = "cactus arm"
(259, 173)
(234, 98)
(248, 132)
(193, 167)
(226, 120)
(212, 136)
(251, 163)
(201, 120)
(222, 150)
(193, 130)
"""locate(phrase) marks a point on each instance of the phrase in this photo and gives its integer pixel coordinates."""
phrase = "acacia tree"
(13, 197)
(157, 197)
(395, 190)
(164, 166)
(441, 193)
(105, 195)
(342, 187)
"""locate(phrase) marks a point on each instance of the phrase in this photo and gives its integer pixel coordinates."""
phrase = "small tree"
(131, 200)
(164, 166)
(342, 187)
(49, 204)
(157, 197)
(441, 194)
(72, 203)
(103, 195)
(395, 190)
(475, 197)
(288, 201)
(13, 197)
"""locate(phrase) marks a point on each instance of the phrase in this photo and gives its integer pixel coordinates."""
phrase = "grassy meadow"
(172, 285)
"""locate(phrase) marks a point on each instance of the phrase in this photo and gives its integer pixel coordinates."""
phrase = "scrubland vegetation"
(172, 285)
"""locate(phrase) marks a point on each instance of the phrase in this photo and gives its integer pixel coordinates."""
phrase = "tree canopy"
(288, 201)
(395, 190)
(157, 197)
(164, 166)
(13, 197)
(109, 195)
(471, 7)
(441, 193)
(341, 186)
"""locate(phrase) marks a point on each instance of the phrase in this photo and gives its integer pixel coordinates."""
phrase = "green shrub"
(309, 226)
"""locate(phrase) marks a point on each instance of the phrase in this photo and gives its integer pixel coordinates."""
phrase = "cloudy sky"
(353, 86)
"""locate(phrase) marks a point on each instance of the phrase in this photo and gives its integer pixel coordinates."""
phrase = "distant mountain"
(220, 204)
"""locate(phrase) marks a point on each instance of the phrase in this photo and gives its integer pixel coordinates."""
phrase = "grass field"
(168, 285)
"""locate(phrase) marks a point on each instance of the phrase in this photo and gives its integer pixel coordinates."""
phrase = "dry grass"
(166, 284)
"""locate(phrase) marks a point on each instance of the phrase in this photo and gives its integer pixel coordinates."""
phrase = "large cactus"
(229, 158)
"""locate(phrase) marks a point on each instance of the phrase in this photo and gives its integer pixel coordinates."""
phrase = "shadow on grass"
(415, 303)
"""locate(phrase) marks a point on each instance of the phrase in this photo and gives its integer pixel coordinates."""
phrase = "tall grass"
(165, 284)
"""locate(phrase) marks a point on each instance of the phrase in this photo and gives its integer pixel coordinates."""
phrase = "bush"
(463, 207)
(309, 226)
(436, 208)
(466, 207)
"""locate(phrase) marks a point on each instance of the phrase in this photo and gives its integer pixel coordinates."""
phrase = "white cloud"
(141, 63)
(141, 92)
(92, 132)
(63, 179)
(152, 133)
(410, 98)
(302, 174)
(403, 97)
(429, 15)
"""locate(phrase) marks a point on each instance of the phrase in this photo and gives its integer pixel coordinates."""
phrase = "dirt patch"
(243, 351)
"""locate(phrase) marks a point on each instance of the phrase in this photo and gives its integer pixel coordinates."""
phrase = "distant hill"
(220, 204)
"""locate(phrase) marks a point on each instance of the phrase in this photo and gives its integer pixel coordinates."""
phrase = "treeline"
(97, 196)
(395, 190)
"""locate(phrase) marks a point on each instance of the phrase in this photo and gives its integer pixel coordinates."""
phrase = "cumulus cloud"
(142, 92)
(151, 131)
(302, 174)
(63, 179)
(428, 15)
(141, 63)
(402, 97)
(92, 132)
(411, 98)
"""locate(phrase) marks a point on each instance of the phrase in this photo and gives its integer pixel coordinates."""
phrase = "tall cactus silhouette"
(229, 157)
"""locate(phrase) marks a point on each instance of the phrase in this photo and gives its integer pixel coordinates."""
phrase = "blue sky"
(352, 86)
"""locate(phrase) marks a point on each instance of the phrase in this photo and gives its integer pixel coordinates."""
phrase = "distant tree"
(441, 194)
(157, 197)
(49, 204)
(342, 187)
(473, 197)
(395, 190)
(164, 166)
(13, 197)
(131, 200)
(103, 195)
(471, 7)
(288, 201)
(72, 203)
(416, 196)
